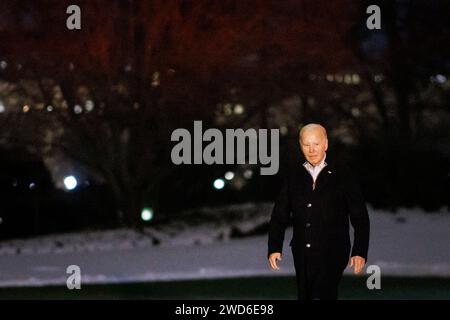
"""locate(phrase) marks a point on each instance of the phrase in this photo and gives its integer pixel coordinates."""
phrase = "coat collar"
(324, 175)
(322, 164)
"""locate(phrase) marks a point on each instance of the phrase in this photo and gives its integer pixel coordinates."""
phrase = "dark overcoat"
(321, 217)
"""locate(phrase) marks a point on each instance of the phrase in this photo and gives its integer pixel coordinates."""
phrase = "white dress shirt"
(315, 170)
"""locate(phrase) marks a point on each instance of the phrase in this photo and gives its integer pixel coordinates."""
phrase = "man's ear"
(326, 144)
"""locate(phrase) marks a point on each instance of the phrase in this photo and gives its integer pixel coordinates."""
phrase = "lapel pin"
(329, 171)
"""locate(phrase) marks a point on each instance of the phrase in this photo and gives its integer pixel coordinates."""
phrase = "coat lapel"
(323, 179)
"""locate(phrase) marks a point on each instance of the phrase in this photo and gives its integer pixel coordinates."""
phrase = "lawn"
(270, 288)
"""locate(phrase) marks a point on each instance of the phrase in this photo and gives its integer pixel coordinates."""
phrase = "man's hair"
(311, 126)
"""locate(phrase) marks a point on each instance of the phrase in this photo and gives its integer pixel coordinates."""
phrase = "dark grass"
(266, 288)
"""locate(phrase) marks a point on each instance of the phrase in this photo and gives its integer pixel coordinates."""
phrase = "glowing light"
(219, 184)
(70, 182)
(155, 79)
(330, 77)
(378, 78)
(248, 174)
(89, 106)
(49, 108)
(32, 185)
(227, 109)
(229, 175)
(3, 64)
(348, 78)
(147, 214)
(440, 78)
(355, 78)
(239, 109)
(26, 109)
(77, 109)
(356, 112)
(2, 107)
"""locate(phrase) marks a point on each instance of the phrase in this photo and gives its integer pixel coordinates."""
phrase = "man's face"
(313, 143)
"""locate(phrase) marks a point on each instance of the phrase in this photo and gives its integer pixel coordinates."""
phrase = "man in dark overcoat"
(320, 199)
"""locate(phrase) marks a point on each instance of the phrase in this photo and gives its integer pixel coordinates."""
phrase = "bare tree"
(138, 69)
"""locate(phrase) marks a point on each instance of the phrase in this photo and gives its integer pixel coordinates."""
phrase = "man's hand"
(358, 263)
(273, 260)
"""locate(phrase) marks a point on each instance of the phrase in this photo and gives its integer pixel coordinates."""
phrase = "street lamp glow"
(147, 214)
(239, 109)
(77, 109)
(89, 106)
(248, 174)
(70, 182)
(229, 175)
(440, 78)
(219, 184)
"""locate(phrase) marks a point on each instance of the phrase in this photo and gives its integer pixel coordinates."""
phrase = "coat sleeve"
(280, 219)
(359, 216)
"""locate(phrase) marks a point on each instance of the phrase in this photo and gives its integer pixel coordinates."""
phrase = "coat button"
(308, 245)
(309, 205)
(308, 225)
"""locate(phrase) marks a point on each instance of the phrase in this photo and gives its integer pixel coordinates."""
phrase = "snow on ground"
(215, 242)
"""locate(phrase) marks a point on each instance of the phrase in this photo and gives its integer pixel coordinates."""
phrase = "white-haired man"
(318, 198)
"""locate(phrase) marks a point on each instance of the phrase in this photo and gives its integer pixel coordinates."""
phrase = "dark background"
(101, 103)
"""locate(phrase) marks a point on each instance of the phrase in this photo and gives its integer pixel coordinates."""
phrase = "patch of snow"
(414, 245)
